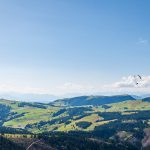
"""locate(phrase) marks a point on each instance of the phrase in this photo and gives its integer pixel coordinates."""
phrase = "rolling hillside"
(124, 121)
(38, 117)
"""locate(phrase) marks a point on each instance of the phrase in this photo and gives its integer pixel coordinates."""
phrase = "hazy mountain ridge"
(29, 97)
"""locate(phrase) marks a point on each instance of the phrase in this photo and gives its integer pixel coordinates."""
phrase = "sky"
(65, 47)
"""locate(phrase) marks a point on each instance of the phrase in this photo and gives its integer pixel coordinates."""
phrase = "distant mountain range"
(29, 97)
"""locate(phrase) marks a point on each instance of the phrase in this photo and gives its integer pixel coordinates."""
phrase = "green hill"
(91, 100)
(147, 99)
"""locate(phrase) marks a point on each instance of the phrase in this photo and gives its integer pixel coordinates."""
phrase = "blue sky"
(63, 46)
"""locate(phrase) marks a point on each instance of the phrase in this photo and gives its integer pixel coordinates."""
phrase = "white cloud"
(130, 82)
(128, 85)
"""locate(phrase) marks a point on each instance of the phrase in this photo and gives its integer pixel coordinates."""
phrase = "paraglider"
(137, 79)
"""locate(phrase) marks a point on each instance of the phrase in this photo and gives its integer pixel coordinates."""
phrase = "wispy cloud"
(13, 88)
(65, 88)
(143, 41)
(124, 85)
(74, 88)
